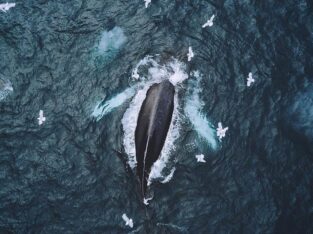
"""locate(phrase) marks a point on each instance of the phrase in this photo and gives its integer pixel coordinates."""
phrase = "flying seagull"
(250, 79)
(128, 221)
(147, 2)
(190, 54)
(6, 6)
(221, 131)
(41, 118)
(146, 201)
(200, 158)
(209, 22)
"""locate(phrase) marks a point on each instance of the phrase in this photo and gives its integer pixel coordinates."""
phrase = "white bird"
(200, 158)
(250, 79)
(128, 221)
(190, 54)
(209, 22)
(147, 2)
(146, 201)
(6, 6)
(41, 118)
(221, 132)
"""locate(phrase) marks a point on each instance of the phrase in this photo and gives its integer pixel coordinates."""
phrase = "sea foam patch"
(110, 44)
(111, 40)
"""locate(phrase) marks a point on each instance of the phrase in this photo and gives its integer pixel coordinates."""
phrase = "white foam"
(169, 177)
(129, 123)
(174, 70)
(179, 74)
(193, 110)
(102, 109)
(145, 61)
(111, 40)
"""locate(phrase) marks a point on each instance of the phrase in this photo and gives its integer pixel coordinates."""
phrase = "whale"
(153, 124)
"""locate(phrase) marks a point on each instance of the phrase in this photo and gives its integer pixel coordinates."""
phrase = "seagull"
(146, 201)
(221, 131)
(128, 221)
(250, 79)
(200, 158)
(190, 54)
(209, 22)
(4, 7)
(147, 2)
(41, 118)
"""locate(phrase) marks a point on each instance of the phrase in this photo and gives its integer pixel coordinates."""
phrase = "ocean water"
(88, 64)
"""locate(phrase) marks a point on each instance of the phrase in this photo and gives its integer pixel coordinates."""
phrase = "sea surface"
(88, 65)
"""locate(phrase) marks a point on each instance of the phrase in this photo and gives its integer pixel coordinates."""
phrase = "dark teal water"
(65, 176)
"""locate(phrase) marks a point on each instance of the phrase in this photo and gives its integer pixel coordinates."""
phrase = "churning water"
(88, 66)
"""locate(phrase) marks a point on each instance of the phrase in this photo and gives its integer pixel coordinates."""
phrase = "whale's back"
(152, 126)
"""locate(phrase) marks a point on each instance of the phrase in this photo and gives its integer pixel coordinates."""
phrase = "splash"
(193, 109)
(179, 74)
(144, 62)
(104, 108)
(169, 177)
(173, 70)
(5, 88)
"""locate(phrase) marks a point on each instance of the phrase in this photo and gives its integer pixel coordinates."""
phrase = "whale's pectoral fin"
(200, 123)
(105, 107)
